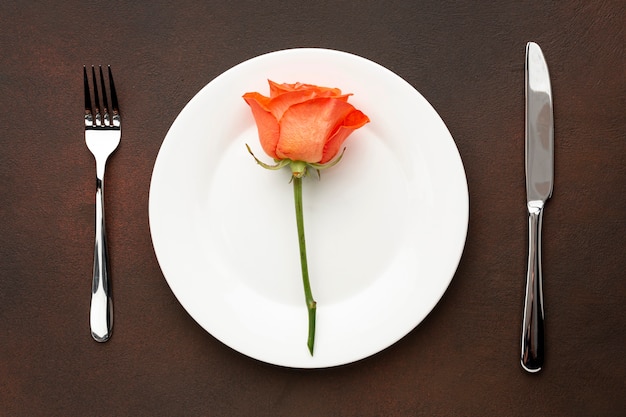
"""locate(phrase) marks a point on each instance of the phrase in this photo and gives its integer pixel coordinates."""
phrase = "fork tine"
(114, 106)
(96, 100)
(105, 106)
(88, 114)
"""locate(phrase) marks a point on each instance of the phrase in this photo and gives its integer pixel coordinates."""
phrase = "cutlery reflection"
(102, 135)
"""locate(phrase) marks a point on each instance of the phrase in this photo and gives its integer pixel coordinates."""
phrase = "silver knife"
(539, 184)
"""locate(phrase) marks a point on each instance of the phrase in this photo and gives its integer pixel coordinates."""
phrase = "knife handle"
(533, 324)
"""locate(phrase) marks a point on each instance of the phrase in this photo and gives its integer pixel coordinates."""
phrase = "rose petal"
(266, 123)
(306, 127)
(279, 104)
(353, 121)
(277, 89)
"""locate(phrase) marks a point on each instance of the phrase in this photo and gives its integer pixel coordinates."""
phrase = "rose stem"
(310, 302)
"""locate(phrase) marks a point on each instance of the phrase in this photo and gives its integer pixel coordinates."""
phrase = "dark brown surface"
(466, 58)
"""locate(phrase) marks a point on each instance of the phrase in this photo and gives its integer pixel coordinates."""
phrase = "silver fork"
(102, 135)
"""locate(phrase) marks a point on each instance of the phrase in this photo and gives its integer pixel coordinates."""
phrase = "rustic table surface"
(466, 58)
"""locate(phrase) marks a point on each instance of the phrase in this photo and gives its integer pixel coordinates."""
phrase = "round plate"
(385, 228)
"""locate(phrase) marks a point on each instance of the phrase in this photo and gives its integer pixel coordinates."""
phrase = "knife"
(539, 184)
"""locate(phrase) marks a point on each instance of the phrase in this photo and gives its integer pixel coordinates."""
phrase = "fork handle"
(101, 310)
(533, 326)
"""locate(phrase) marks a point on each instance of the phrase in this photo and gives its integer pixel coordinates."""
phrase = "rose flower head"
(303, 124)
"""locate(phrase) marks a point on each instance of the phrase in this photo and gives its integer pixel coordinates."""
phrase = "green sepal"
(299, 169)
(280, 163)
(330, 163)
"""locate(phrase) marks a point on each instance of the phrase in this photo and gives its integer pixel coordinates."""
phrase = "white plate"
(385, 228)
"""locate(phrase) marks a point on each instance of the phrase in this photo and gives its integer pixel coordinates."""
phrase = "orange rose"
(303, 122)
(303, 125)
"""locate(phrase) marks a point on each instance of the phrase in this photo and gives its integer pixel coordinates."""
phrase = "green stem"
(310, 302)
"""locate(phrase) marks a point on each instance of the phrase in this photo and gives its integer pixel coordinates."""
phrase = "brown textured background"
(466, 58)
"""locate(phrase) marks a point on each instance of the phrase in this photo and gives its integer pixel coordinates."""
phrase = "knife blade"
(539, 153)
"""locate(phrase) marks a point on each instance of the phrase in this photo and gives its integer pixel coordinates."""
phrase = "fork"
(103, 132)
